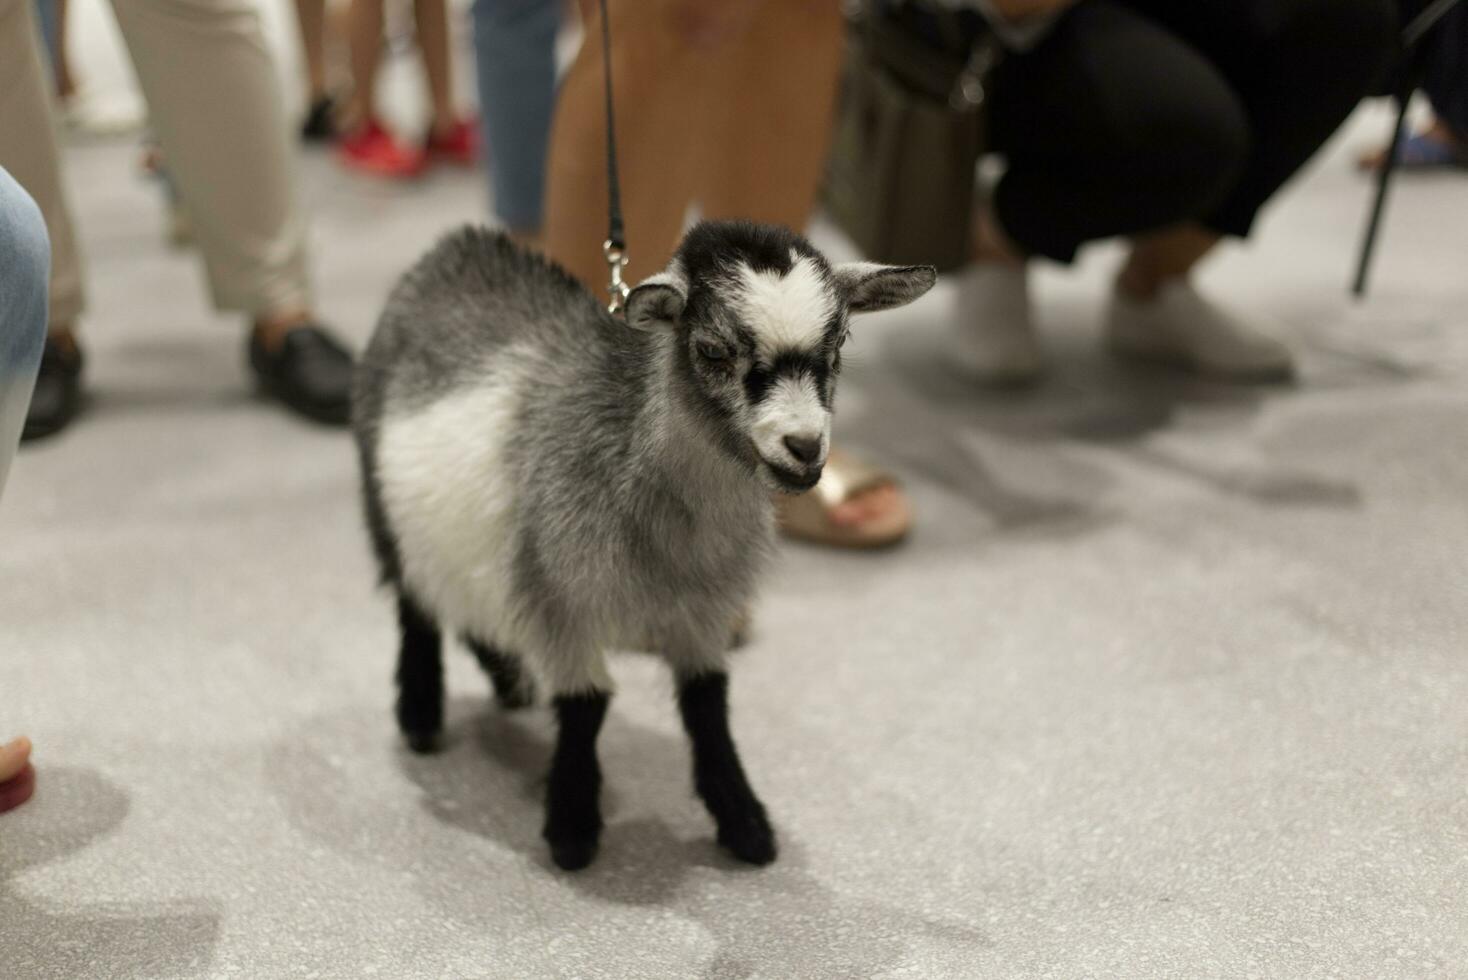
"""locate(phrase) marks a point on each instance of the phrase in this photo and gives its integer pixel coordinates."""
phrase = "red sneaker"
(372, 150)
(459, 146)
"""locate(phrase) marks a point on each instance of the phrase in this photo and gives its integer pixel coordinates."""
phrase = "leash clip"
(617, 288)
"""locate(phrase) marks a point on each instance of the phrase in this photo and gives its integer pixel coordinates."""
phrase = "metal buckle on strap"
(617, 288)
(968, 88)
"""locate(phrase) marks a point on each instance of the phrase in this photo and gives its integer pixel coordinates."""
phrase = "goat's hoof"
(750, 838)
(422, 743)
(573, 853)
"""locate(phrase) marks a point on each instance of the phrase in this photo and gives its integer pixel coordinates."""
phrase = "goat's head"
(758, 318)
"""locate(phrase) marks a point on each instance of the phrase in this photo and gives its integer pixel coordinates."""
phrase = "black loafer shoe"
(58, 393)
(311, 373)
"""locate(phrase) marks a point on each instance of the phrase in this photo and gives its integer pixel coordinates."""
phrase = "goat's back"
(469, 297)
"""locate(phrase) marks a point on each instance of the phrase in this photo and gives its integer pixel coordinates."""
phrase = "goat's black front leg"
(744, 828)
(573, 796)
(420, 677)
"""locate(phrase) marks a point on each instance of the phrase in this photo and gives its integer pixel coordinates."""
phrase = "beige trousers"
(215, 106)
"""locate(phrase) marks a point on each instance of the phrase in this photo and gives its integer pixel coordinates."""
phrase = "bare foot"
(872, 510)
(1439, 132)
(867, 506)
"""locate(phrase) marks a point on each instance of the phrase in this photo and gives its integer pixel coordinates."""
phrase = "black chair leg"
(1383, 184)
(1412, 36)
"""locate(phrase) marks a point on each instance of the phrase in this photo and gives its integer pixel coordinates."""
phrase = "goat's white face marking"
(791, 408)
(786, 312)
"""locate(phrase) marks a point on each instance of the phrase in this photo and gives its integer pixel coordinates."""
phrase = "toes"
(869, 505)
(18, 788)
(13, 757)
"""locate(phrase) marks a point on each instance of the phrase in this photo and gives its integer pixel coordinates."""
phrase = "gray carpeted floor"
(1170, 682)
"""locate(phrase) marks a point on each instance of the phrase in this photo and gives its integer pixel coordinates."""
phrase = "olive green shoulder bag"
(909, 133)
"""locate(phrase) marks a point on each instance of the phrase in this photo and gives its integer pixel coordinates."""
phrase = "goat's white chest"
(450, 500)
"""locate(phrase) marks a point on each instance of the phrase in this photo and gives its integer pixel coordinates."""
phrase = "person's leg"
(368, 147)
(235, 175)
(311, 18)
(364, 41)
(1111, 126)
(1298, 67)
(514, 55)
(432, 20)
(1446, 82)
(25, 262)
(233, 169)
(320, 122)
(34, 162)
(30, 152)
(775, 101)
(663, 118)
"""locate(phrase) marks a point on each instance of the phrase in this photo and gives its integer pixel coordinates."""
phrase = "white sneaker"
(994, 339)
(1183, 329)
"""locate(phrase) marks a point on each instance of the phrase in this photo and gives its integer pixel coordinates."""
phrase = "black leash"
(615, 246)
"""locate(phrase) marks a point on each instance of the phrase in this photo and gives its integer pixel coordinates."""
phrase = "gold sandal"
(807, 517)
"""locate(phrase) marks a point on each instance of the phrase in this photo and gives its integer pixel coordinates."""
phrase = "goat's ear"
(657, 300)
(869, 287)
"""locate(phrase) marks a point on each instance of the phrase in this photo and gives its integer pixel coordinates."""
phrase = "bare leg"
(776, 97)
(431, 17)
(365, 40)
(663, 113)
(1162, 256)
(311, 16)
(778, 84)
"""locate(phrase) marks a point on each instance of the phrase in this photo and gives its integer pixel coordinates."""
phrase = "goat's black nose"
(807, 449)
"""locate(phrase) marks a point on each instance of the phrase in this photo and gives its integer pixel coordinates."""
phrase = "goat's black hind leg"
(513, 686)
(420, 677)
(573, 792)
(703, 700)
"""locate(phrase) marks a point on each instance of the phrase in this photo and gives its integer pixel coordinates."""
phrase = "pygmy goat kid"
(550, 482)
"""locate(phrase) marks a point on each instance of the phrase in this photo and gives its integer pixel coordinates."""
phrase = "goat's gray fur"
(552, 481)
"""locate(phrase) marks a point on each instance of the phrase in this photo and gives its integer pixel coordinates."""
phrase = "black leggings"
(1137, 114)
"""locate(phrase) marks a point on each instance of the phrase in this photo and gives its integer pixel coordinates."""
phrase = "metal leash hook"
(615, 245)
(617, 288)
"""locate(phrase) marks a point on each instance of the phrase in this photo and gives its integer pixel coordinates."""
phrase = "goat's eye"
(710, 351)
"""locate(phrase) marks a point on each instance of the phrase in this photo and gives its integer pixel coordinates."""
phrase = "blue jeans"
(25, 266)
(515, 59)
